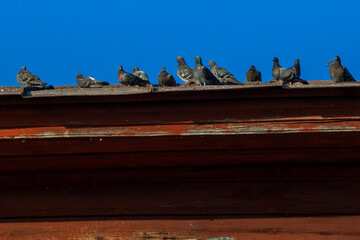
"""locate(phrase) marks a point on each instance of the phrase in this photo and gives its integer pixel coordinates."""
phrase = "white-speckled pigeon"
(140, 74)
(203, 75)
(222, 74)
(283, 74)
(339, 73)
(253, 75)
(28, 79)
(166, 79)
(184, 72)
(87, 82)
(129, 79)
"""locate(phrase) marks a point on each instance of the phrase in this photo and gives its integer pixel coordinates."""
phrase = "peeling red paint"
(270, 126)
(238, 158)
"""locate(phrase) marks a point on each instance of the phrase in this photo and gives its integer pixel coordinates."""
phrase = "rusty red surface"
(297, 228)
(181, 163)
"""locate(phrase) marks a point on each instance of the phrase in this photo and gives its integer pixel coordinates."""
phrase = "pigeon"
(129, 79)
(28, 79)
(141, 74)
(253, 75)
(203, 75)
(285, 75)
(222, 74)
(296, 68)
(166, 79)
(86, 82)
(339, 73)
(184, 72)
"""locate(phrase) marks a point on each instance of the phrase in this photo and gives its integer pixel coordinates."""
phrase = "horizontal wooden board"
(181, 175)
(169, 198)
(219, 110)
(223, 228)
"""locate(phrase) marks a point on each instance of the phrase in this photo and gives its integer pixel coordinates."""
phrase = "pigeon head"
(329, 64)
(180, 59)
(297, 61)
(163, 69)
(135, 69)
(337, 59)
(120, 68)
(252, 67)
(23, 68)
(275, 59)
(198, 60)
(211, 63)
(79, 75)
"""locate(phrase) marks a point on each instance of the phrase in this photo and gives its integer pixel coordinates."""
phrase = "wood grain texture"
(279, 228)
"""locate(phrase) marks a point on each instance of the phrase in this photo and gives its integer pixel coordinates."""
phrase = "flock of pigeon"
(200, 75)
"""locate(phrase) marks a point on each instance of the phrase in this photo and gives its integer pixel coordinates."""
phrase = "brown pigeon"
(166, 79)
(28, 79)
(253, 75)
(339, 73)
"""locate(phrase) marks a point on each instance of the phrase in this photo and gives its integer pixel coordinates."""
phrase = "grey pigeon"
(184, 72)
(86, 82)
(253, 75)
(129, 79)
(296, 68)
(28, 79)
(285, 75)
(222, 74)
(140, 74)
(203, 75)
(166, 79)
(339, 73)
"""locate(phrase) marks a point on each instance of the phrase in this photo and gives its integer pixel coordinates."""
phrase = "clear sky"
(57, 39)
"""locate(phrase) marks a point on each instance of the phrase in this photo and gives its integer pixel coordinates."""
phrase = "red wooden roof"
(240, 155)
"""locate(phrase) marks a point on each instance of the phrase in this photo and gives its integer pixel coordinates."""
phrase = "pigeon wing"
(210, 77)
(286, 73)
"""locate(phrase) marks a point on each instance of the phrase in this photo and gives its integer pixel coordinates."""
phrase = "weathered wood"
(222, 228)
(200, 174)
(174, 112)
(166, 198)
(169, 154)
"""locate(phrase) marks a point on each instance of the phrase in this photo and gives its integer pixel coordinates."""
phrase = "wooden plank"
(225, 228)
(166, 198)
(174, 112)
(312, 142)
(200, 174)
(180, 158)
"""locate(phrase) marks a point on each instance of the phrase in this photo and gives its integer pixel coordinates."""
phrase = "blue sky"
(57, 39)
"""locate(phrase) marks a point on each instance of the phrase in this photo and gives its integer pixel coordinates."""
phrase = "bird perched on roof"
(166, 79)
(86, 82)
(184, 72)
(283, 74)
(28, 79)
(129, 79)
(296, 68)
(339, 73)
(203, 75)
(253, 75)
(222, 74)
(140, 74)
